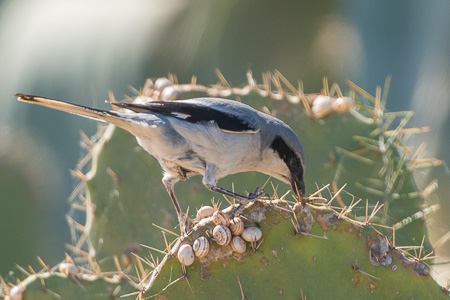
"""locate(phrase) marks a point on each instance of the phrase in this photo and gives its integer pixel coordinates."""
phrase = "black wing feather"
(192, 113)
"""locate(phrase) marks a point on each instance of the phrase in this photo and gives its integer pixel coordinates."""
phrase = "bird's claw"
(258, 193)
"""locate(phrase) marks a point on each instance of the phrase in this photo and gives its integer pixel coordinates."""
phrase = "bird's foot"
(258, 193)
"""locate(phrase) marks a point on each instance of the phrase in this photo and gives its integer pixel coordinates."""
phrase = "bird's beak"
(299, 187)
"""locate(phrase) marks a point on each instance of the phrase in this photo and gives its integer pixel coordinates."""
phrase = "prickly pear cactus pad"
(304, 250)
(358, 234)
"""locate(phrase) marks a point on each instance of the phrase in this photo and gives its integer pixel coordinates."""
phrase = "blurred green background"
(80, 50)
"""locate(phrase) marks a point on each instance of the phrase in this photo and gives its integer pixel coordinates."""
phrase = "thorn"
(419, 151)
(77, 191)
(128, 99)
(296, 225)
(375, 210)
(74, 224)
(367, 212)
(409, 131)
(77, 251)
(326, 89)
(79, 175)
(141, 269)
(320, 190)
(361, 91)
(117, 263)
(142, 282)
(165, 241)
(343, 212)
(378, 109)
(155, 264)
(5, 286)
(81, 241)
(393, 236)
(346, 211)
(324, 237)
(418, 215)
(276, 82)
(228, 200)
(222, 78)
(194, 80)
(133, 89)
(356, 268)
(166, 230)
(132, 294)
(116, 291)
(336, 89)
(421, 246)
(286, 82)
(154, 249)
(425, 164)
(172, 77)
(275, 195)
(32, 270)
(44, 265)
(23, 270)
(114, 176)
(402, 124)
(84, 200)
(355, 156)
(303, 296)
(79, 207)
(336, 194)
(190, 287)
(304, 100)
(86, 139)
(266, 82)
(250, 80)
(285, 194)
(442, 240)
(369, 190)
(431, 188)
(387, 84)
(94, 266)
(51, 292)
(300, 89)
(240, 287)
(216, 205)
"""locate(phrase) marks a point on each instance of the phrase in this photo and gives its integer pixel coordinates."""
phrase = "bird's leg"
(186, 223)
(209, 180)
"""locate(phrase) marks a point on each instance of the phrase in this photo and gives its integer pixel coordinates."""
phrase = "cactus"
(360, 232)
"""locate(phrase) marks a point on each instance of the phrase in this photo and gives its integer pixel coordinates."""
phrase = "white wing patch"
(240, 132)
(180, 115)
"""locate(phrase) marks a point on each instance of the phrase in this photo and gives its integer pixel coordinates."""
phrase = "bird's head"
(292, 155)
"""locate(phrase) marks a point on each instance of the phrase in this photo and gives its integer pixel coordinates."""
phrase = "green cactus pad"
(349, 247)
(330, 258)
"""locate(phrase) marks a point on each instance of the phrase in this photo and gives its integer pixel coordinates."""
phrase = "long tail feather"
(84, 111)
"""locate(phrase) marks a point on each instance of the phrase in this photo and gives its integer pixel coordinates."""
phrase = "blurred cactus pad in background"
(359, 233)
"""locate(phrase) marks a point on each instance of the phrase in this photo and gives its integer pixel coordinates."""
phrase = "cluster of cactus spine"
(108, 252)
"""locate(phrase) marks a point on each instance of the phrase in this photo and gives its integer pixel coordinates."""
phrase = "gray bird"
(211, 137)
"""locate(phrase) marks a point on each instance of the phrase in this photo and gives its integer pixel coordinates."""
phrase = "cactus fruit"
(358, 234)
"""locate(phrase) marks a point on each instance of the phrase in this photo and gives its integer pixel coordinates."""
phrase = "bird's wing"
(229, 120)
